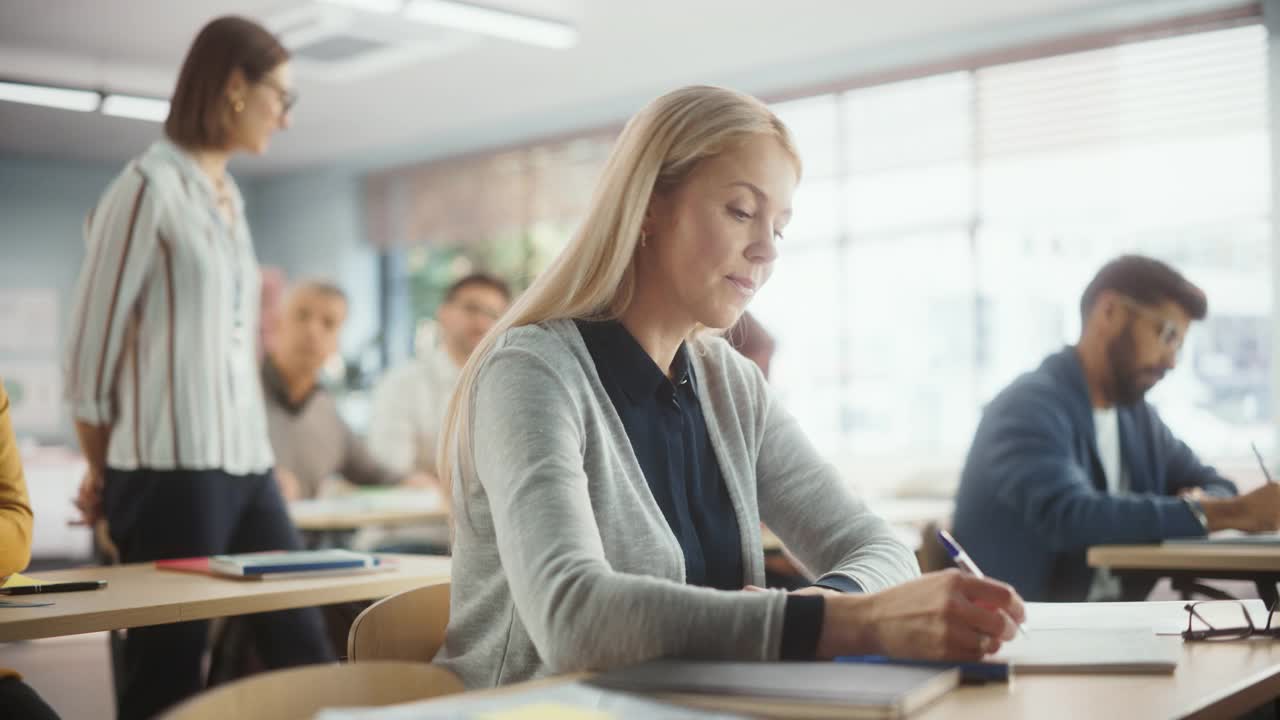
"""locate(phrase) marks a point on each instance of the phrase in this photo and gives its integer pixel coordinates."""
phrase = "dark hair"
(1149, 282)
(480, 280)
(198, 110)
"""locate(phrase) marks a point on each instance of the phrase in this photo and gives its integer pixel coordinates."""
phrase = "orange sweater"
(15, 508)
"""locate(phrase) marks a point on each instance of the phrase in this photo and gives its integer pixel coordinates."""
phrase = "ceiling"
(487, 91)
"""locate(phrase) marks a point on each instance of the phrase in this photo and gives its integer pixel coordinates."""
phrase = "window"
(943, 233)
(507, 213)
(967, 211)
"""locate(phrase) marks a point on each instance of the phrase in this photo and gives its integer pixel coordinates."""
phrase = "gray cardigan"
(562, 560)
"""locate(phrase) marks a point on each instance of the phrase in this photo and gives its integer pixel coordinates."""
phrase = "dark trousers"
(18, 700)
(156, 515)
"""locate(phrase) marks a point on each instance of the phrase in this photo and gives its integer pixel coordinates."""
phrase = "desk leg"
(1188, 588)
(327, 539)
(1267, 591)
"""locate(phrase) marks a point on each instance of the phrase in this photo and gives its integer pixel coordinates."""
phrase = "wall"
(43, 204)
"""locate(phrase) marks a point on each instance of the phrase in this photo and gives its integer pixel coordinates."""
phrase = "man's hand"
(1255, 511)
(290, 488)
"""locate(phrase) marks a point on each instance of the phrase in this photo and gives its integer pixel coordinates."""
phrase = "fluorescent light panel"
(382, 7)
(126, 106)
(490, 21)
(138, 108)
(54, 97)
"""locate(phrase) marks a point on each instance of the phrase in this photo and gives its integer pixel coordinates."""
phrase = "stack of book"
(276, 565)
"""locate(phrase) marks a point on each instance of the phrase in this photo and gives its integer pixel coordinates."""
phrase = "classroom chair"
(409, 625)
(299, 693)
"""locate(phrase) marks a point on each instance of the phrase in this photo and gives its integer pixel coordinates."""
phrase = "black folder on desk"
(787, 689)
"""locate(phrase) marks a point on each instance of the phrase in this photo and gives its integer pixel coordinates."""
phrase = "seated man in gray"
(1071, 455)
(311, 441)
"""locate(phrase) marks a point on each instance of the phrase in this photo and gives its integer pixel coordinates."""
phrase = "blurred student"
(1071, 455)
(272, 295)
(17, 699)
(162, 374)
(612, 462)
(311, 440)
(409, 402)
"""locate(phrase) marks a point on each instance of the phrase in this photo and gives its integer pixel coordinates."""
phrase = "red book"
(192, 565)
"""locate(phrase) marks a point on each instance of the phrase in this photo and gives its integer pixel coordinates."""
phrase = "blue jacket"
(1033, 496)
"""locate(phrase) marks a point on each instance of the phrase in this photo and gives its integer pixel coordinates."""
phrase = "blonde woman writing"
(612, 461)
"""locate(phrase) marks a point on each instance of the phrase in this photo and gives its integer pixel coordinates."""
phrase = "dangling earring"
(644, 238)
(238, 106)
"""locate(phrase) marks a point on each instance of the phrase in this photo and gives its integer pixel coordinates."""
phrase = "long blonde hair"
(594, 276)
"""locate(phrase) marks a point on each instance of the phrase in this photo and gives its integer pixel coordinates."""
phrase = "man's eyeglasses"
(1169, 334)
(1230, 621)
(288, 98)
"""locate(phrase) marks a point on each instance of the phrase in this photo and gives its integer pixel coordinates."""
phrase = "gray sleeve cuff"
(839, 583)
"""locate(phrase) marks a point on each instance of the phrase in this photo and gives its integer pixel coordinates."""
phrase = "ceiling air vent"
(339, 44)
(337, 48)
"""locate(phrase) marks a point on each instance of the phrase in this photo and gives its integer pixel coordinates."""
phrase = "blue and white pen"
(965, 563)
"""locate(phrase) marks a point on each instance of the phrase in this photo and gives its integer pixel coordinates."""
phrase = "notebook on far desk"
(1229, 537)
(787, 689)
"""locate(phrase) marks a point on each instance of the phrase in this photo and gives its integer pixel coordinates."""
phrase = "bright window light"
(63, 98)
(138, 108)
(497, 23)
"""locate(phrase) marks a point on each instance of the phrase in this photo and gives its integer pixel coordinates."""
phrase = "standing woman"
(162, 371)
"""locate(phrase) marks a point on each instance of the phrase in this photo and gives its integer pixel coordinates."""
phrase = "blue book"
(303, 561)
(970, 672)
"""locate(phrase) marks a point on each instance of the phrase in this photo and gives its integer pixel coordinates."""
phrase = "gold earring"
(238, 106)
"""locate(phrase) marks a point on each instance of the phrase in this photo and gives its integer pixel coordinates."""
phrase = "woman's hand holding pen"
(946, 615)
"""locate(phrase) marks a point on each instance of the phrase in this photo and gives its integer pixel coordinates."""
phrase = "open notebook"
(1115, 637)
(1091, 650)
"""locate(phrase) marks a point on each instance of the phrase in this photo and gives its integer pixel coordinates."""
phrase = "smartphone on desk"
(54, 587)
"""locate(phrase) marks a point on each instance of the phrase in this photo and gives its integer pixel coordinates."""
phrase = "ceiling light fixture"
(135, 107)
(382, 7)
(494, 22)
(138, 108)
(54, 97)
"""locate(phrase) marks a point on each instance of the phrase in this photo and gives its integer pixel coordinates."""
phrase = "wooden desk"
(1213, 680)
(139, 595)
(1190, 562)
(369, 509)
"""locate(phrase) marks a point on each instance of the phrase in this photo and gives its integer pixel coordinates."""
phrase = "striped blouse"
(164, 323)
